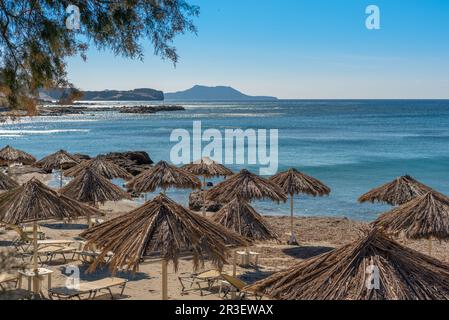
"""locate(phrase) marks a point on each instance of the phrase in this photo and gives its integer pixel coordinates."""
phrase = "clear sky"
(295, 49)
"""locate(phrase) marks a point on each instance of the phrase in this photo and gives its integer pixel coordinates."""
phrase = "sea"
(350, 145)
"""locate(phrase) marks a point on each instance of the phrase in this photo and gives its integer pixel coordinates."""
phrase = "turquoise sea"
(351, 145)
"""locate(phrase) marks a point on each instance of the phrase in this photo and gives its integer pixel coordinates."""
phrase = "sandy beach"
(316, 235)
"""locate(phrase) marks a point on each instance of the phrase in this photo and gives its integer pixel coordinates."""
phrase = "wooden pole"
(60, 176)
(204, 196)
(36, 288)
(293, 241)
(234, 271)
(430, 246)
(164, 280)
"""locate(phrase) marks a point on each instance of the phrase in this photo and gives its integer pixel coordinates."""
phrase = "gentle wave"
(25, 132)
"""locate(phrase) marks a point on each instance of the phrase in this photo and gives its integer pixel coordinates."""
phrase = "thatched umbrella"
(59, 160)
(295, 182)
(92, 188)
(160, 228)
(6, 183)
(164, 176)
(240, 217)
(9, 155)
(246, 186)
(397, 192)
(425, 217)
(106, 168)
(34, 202)
(207, 168)
(374, 267)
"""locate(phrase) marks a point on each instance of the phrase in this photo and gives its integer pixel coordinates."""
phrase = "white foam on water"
(25, 132)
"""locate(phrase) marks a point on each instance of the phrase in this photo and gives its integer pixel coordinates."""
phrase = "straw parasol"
(6, 183)
(246, 186)
(397, 192)
(34, 202)
(295, 182)
(160, 228)
(207, 168)
(59, 160)
(9, 155)
(374, 267)
(240, 217)
(91, 187)
(106, 168)
(164, 176)
(425, 217)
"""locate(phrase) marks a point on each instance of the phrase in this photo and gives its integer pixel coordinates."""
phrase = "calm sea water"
(352, 146)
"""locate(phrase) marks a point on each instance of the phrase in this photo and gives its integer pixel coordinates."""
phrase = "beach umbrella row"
(161, 228)
(374, 267)
(33, 202)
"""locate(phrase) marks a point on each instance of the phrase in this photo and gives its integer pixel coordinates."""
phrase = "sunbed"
(236, 285)
(207, 277)
(6, 278)
(91, 289)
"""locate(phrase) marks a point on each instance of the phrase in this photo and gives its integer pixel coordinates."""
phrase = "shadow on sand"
(306, 252)
(65, 226)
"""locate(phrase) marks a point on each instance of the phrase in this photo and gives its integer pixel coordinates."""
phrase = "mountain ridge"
(217, 93)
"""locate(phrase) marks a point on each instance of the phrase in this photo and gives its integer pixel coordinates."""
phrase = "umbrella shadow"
(6, 243)
(64, 226)
(252, 276)
(103, 272)
(306, 252)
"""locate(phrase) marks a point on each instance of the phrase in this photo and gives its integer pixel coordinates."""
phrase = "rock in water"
(196, 203)
(135, 162)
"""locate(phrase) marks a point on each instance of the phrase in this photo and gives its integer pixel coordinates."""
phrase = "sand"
(315, 234)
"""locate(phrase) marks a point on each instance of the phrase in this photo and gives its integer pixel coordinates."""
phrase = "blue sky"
(307, 49)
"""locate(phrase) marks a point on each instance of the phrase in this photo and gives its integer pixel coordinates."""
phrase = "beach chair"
(25, 239)
(198, 279)
(91, 289)
(236, 285)
(50, 252)
(8, 278)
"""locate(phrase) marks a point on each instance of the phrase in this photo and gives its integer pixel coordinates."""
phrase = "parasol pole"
(36, 288)
(60, 176)
(430, 246)
(292, 240)
(234, 270)
(204, 196)
(164, 280)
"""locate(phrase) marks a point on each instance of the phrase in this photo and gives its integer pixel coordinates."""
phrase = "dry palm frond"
(208, 168)
(164, 176)
(247, 186)
(241, 218)
(424, 217)
(397, 192)
(295, 182)
(6, 183)
(343, 274)
(106, 168)
(10, 155)
(61, 159)
(34, 201)
(91, 187)
(161, 228)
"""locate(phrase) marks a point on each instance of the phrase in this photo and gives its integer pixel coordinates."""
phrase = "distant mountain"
(143, 94)
(220, 93)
